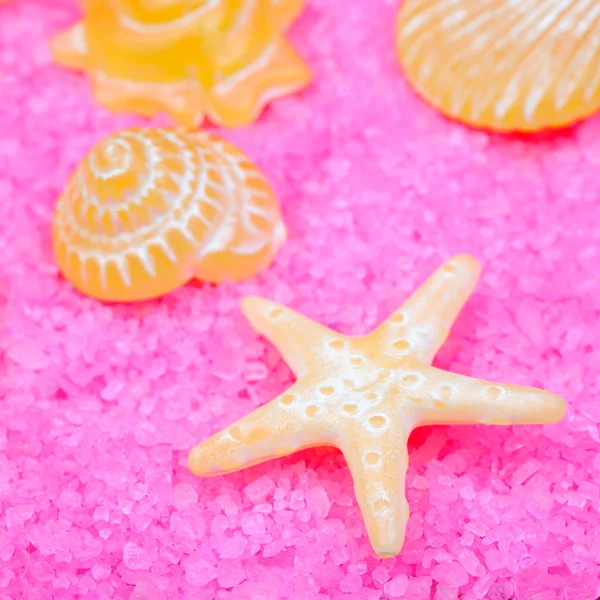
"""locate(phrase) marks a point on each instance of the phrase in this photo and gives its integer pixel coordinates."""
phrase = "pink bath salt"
(170, 554)
(100, 572)
(443, 592)
(253, 524)
(296, 500)
(230, 572)
(369, 594)
(327, 575)
(273, 548)
(17, 515)
(396, 587)
(451, 574)
(105, 401)
(259, 490)
(136, 558)
(380, 575)
(198, 572)
(419, 588)
(29, 355)
(283, 516)
(350, 583)
(101, 513)
(227, 504)
(253, 591)
(482, 586)
(468, 559)
(318, 502)
(69, 499)
(303, 515)
(184, 495)
(494, 559)
(231, 547)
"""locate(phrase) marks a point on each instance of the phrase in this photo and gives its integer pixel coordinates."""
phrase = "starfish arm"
(378, 470)
(448, 397)
(423, 322)
(275, 429)
(300, 340)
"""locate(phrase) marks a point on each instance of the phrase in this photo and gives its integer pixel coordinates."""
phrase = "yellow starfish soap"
(149, 209)
(225, 59)
(365, 395)
(504, 65)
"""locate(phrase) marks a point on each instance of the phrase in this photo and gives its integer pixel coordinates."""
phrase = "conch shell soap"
(149, 209)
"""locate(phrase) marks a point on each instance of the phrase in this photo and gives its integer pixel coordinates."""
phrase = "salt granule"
(318, 501)
(136, 558)
(230, 572)
(350, 583)
(258, 490)
(253, 524)
(380, 575)
(184, 495)
(451, 574)
(198, 572)
(397, 587)
(100, 572)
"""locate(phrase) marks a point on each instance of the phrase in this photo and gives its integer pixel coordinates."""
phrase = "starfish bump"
(365, 394)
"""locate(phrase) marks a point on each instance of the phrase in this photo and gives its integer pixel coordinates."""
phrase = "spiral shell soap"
(222, 59)
(149, 209)
(503, 65)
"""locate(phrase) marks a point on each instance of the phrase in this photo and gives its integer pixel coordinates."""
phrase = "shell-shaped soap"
(148, 209)
(222, 59)
(504, 65)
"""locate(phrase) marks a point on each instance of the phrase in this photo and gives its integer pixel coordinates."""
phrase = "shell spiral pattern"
(221, 59)
(504, 65)
(148, 209)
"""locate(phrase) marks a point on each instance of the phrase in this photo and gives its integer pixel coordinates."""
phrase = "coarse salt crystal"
(482, 586)
(318, 501)
(419, 588)
(468, 559)
(494, 559)
(444, 592)
(198, 572)
(259, 490)
(296, 500)
(397, 587)
(253, 523)
(18, 515)
(111, 391)
(350, 583)
(170, 554)
(184, 495)
(135, 557)
(232, 547)
(451, 574)
(100, 572)
(29, 355)
(230, 572)
(380, 575)
(303, 515)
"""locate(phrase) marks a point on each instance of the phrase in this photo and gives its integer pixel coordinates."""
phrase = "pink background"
(100, 404)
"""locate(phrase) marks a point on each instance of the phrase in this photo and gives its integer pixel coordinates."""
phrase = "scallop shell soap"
(503, 65)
